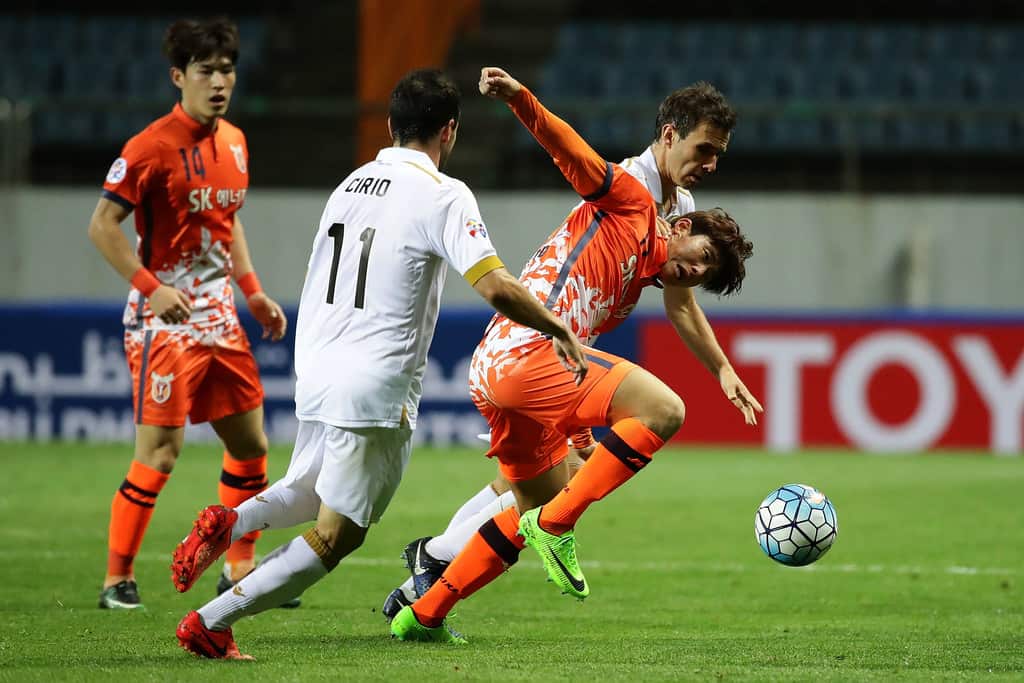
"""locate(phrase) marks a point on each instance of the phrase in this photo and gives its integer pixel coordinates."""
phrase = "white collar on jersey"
(648, 173)
(405, 154)
(645, 169)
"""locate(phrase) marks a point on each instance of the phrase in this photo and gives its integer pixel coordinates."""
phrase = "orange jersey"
(591, 270)
(185, 181)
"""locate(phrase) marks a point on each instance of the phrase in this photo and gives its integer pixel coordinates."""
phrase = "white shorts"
(355, 472)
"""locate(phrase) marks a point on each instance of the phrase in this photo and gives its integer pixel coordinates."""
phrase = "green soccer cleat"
(558, 554)
(405, 626)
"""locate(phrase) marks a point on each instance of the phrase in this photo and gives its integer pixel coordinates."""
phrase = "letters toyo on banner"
(878, 386)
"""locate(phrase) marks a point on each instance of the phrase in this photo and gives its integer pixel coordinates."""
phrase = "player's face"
(689, 159)
(691, 258)
(206, 87)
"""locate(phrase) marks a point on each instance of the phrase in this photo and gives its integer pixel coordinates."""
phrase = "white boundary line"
(824, 566)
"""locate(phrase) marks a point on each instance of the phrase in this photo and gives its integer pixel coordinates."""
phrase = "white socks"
(449, 544)
(277, 507)
(472, 506)
(281, 576)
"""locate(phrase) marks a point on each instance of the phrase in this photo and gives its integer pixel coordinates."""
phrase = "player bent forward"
(590, 272)
(366, 318)
(692, 130)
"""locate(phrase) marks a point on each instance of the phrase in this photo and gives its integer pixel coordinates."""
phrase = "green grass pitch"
(923, 583)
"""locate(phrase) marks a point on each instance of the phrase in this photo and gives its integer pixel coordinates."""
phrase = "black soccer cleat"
(394, 603)
(226, 584)
(122, 595)
(425, 568)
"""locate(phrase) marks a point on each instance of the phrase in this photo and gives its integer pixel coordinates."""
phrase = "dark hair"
(421, 104)
(188, 40)
(688, 107)
(732, 246)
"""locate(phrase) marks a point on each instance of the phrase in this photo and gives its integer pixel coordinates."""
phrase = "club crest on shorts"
(239, 154)
(160, 388)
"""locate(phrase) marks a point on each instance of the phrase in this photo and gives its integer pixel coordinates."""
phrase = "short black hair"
(730, 243)
(687, 108)
(421, 104)
(188, 40)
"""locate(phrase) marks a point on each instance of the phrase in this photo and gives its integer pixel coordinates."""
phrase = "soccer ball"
(795, 525)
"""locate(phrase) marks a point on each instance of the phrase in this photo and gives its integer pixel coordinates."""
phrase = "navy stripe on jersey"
(563, 274)
(142, 375)
(118, 199)
(609, 174)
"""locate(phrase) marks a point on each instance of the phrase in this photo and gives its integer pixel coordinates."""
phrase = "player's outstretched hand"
(495, 82)
(170, 305)
(268, 314)
(570, 352)
(739, 395)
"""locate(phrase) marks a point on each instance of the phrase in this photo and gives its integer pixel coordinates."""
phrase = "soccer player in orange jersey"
(185, 176)
(590, 272)
(692, 130)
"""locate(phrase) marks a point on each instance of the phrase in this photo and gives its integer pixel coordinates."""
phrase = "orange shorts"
(535, 405)
(175, 375)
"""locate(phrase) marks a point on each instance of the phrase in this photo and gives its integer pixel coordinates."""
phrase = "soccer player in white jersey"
(692, 130)
(366, 319)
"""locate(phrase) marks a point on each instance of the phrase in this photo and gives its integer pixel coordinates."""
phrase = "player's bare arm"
(510, 298)
(167, 303)
(693, 328)
(268, 313)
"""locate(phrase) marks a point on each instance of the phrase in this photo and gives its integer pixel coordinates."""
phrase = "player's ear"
(177, 77)
(391, 134)
(448, 132)
(666, 134)
(682, 227)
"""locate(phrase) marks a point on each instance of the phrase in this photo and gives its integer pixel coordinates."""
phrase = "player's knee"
(161, 458)
(667, 417)
(249, 447)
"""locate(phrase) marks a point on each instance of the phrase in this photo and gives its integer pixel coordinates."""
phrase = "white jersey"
(373, 289)
(645, 169)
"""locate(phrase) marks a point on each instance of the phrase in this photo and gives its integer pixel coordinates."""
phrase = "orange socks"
(492, 549)
(621, 453)
(240, 480)
(130, 513)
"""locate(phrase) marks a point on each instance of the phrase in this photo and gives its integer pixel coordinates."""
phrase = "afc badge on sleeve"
(117, 171)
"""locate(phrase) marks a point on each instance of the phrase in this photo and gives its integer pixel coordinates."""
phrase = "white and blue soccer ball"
(795, 525)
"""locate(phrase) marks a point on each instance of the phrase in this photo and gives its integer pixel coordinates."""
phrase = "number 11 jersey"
(372, 293)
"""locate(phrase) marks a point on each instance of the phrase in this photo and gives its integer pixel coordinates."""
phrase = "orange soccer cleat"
(194, 637)
(209, 538)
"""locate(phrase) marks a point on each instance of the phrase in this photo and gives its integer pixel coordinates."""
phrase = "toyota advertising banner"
(880, 384)
(887, 384)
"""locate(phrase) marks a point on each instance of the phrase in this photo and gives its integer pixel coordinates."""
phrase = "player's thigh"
(231, 385)
(242, 433)
(166, 368)
(643, 396)
(362, 469)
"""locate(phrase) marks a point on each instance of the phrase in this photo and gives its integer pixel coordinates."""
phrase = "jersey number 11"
(337, 232)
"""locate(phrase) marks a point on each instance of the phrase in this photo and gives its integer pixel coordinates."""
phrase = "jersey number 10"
(337, 232)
